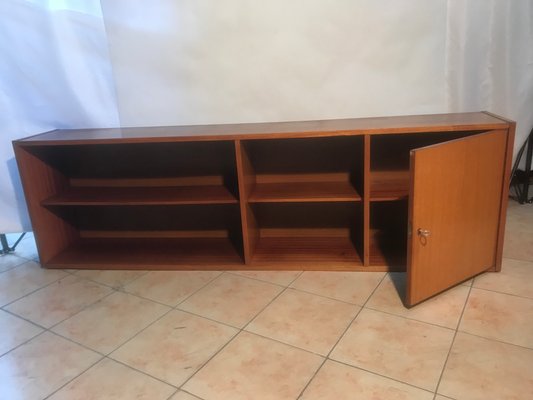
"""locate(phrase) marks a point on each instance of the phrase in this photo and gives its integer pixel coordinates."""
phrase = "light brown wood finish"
(366, 201)
(308, 195)
(504, 196)
(303, 192)
(246, 182)
(40, 181)
(456, 192)
(271, 130)
(110, 196)
(389, 185)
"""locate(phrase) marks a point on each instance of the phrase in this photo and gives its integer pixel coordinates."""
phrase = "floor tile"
(481, 369)
(336, 381)
(114, 278)
(9, 261)
(181, 395)
(516, 277)
(14, 331)
(410, 351)
(170, 287)
(24, 279)
(108, 323)
(304, 320)
(175, 347)
(444, 309)
(352, 287)
(231, 299)
(282, 278)
(518, 243)
(252, 367)
(27, 248)
(41, 366)
(111, 380)
(58, 301)
(499, 316)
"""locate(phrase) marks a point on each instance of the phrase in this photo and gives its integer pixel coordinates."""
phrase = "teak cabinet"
(426, 194)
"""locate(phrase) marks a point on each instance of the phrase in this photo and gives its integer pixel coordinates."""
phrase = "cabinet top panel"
(271, 130)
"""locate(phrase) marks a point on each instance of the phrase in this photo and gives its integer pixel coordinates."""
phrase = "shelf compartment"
(326, 169)
(149, 253)
(307, 252)
(389, 185)
(307, 235)
(303, 192)
(143, 173)
(161, 236)
(115, 196)
(388, 234)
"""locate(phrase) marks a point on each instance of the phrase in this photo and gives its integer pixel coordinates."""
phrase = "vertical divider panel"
(366, 202)
(246, 183)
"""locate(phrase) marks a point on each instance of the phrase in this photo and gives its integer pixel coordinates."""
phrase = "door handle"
(423, 232)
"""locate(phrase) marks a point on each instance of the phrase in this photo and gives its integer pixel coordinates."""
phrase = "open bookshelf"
(299, 195)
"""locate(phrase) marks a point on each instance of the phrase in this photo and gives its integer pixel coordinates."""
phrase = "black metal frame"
(5, 245)
(520, 180)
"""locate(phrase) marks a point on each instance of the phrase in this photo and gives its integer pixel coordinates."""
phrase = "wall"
(68, 63)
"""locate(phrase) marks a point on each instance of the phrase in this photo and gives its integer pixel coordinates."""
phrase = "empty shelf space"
(149, 253)
(303, 192)
(389, 185)
(385, 252)
(307, 252)
(79, 196)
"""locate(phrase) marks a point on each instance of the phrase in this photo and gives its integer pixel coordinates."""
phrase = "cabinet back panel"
(141, 160)
(307, 160)
(391, 152)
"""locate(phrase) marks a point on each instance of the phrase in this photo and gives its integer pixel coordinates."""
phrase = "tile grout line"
(452, 343)
(504, 293)
(106, 356)
(326, 358)
(236, 334)
(159, 318)
(263, 280)
(70, 380)
(33, 291)
(410, 319)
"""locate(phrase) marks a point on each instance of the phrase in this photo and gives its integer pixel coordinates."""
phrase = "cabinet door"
(454, 210)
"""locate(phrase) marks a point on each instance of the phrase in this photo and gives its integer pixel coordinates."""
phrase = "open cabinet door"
(454, 212)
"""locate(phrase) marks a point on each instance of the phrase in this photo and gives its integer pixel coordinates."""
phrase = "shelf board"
(335, 253)
(149, 253)
(303, 192)
(117, 196)
(389, 185)
(389, 253)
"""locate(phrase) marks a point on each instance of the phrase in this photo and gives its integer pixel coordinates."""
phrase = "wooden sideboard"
(423, 194)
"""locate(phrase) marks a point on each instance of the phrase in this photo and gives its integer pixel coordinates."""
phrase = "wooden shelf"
(116, 196)
(303, 192)
(149, 253)
(389, 185)
(335, 253)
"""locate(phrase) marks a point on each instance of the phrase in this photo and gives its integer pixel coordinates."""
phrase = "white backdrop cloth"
(171, 62)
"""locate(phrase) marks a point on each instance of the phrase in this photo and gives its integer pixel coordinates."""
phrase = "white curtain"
(54, 73)
(70, 63)
(489, 59)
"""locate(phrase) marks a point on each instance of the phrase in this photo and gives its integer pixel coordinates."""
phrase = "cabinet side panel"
(41, 181)
(505, 196)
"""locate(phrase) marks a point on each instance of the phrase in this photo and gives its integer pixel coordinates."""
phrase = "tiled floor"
(265, 335)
